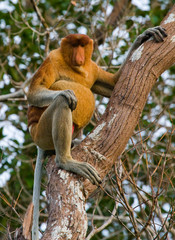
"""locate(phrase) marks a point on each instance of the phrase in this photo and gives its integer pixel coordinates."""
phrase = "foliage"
(144, 192)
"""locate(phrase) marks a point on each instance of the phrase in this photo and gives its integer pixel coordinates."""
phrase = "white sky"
(142, 4)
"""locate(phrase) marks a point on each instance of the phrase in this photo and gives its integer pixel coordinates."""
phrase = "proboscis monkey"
(61, 102)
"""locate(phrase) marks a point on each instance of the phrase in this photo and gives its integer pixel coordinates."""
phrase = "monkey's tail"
(36, 193)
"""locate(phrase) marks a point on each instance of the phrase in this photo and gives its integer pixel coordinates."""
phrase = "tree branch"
(112, 20)
(45, 25)
(67, 215)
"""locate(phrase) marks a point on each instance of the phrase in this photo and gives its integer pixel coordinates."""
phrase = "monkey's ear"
(63, 40)
(64, 44)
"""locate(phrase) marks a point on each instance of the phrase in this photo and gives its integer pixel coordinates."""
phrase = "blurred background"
(140, 191)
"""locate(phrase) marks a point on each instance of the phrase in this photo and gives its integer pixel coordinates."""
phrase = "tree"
(146, 162)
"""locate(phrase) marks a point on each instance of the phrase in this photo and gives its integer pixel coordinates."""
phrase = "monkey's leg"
(62, 137)
(36, 193)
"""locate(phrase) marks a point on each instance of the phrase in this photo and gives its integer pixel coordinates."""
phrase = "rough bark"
(67, 218)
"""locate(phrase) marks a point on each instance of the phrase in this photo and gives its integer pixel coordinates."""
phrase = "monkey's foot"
(82, 168)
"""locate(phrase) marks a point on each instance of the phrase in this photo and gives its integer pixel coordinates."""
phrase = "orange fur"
(34, 114)
(70, 67)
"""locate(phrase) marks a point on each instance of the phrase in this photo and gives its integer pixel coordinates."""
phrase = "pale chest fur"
(81, 76)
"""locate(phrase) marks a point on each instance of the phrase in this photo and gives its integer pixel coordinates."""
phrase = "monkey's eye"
(74, 44)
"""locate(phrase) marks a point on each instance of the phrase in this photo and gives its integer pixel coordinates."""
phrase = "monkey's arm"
(156, 33)
(42, 97)
(102, 88)
(39, 94)
(105, 82)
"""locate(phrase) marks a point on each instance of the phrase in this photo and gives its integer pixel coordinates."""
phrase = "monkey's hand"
(83, 169)
(70, 97)
(157, 33)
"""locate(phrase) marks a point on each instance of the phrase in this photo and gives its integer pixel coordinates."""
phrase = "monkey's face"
(77, 49)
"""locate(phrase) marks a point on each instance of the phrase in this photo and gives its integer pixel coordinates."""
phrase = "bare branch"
(45, 25)
(112, 20)
(105, 224)
(9, 96)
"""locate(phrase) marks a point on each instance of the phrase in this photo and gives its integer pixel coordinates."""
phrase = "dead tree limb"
(112, 20)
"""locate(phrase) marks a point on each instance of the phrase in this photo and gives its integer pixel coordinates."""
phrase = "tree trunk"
(66, 196)
(67, 216)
